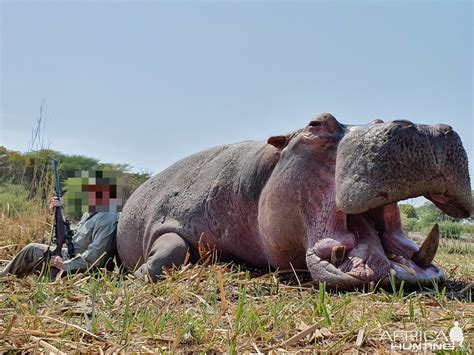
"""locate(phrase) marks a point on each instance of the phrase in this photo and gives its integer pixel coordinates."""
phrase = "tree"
(33, 172)
(408, 210)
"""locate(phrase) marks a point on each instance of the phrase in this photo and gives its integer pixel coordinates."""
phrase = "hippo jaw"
(377, 166)
(382, 251)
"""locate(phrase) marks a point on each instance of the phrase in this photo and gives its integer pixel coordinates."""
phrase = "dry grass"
(219, 308)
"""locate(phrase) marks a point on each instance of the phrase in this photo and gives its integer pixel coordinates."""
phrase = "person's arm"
(103, 239)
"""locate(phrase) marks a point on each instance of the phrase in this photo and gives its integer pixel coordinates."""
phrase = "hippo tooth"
(395, 257)
(424, 256)
(337, 255)
(407, 269)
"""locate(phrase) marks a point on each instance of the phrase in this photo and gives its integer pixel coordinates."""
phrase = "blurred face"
(93, 192)
(98, 195)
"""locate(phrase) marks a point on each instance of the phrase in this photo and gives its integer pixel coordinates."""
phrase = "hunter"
(93, 241)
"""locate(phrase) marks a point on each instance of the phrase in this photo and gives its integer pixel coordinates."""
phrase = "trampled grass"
(223, 307)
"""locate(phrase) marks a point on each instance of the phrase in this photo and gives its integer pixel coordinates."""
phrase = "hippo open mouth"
(383, 249)
(377, 166)
(390, 249)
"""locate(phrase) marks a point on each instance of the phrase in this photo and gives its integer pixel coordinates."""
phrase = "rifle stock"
(59, 228)
(60, 239)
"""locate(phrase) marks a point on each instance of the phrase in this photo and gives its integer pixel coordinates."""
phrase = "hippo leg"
(168, 250)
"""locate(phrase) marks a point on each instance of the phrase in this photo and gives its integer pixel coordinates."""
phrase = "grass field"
(221, 307)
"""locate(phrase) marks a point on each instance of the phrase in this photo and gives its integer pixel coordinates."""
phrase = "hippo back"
(214, 192)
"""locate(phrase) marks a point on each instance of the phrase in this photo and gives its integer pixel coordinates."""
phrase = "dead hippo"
(323, 198)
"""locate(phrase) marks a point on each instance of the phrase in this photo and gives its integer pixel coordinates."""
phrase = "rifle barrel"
(56, 180)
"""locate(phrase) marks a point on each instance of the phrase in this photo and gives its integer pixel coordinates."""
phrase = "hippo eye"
(315, 123)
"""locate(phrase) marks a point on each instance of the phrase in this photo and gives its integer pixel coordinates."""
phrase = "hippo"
(322, 198)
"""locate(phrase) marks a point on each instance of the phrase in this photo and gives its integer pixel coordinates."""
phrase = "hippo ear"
(279, 142)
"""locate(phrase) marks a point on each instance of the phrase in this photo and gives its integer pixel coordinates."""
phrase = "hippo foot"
(167, 251)
(382, 254)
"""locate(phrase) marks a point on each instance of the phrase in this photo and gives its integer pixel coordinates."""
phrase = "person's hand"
(57, 262)
(54, 204)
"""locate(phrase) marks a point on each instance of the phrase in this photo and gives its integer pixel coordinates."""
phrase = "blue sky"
(147, 83)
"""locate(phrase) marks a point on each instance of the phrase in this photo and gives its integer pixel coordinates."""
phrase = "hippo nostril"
(327, 117)
(315, 123)
(403, 123)
(443, 128)
(378, 120)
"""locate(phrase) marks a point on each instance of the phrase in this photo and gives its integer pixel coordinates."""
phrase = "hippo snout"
(389, 162)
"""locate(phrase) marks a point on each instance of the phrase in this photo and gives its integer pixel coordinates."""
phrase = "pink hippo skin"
(322, 198)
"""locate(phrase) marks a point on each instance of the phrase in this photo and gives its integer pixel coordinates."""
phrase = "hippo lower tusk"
(425, 255)
(408, 269)
(337, 255)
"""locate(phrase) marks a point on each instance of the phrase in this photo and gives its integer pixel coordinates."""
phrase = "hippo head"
(338, 187)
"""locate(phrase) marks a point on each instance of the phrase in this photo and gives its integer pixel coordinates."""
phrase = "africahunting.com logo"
(421, 340)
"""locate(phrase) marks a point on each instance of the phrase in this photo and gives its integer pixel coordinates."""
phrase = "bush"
(409, 224)
(408, 210)
(14, 200)
(428, 214)
(450, 230)
(468, 228)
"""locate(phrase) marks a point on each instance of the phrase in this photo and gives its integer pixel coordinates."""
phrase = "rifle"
(62, 230)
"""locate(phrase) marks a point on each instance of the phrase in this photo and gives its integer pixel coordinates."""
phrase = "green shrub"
(429, 214)
(14, 200)
(451, 230)
(408, 210)
(468, 228)
(409, 224)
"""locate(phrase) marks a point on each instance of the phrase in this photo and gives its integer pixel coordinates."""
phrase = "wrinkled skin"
(322, 198)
